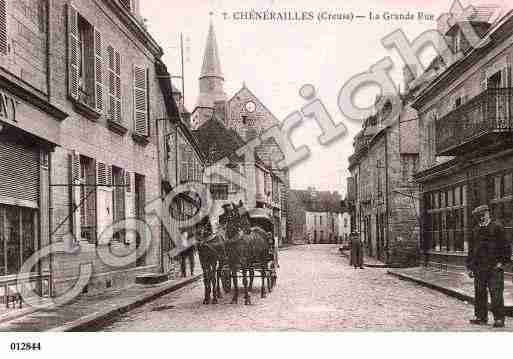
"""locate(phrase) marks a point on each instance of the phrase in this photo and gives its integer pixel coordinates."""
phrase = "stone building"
(86, 71)
(381, 189)
(316, 216)
(247, 116)
(465, 140)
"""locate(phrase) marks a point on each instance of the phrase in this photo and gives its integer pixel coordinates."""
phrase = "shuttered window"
(104, 174)
(4, 44)
(73, 53)
(141, 101)
(85, 61)
(128, 183)
(184, 163)
(118, 198)
(114, 65)
(98, 71)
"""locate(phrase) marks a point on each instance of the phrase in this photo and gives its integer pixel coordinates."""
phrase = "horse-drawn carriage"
(243, 247)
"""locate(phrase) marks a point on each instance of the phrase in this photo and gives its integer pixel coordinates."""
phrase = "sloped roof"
(318, 201)
(216, 141)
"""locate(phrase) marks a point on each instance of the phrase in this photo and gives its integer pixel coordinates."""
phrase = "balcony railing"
(478, 120)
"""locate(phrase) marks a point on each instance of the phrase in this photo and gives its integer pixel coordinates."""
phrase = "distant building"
(317, 216)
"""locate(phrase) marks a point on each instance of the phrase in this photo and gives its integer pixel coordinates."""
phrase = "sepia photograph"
(272, 166)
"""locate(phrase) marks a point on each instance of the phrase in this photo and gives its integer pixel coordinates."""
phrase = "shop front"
(450, 192)
(28, 135)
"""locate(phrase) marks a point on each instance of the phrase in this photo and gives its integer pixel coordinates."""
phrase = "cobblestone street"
(317, 291)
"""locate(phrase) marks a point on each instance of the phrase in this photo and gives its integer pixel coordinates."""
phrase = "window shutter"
(98, 71)
(505, 75)
(128, 183)
(72, 52)
(114, 85)
(75, 166)
(104, 174)
(141, 101)
(4, 40)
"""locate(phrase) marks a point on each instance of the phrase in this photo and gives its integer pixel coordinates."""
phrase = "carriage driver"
(225, 216)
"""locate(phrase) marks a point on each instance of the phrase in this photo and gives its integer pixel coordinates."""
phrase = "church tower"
(211, 83)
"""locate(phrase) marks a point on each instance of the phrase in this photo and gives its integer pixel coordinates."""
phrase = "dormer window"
(457, 45)
(128, 4)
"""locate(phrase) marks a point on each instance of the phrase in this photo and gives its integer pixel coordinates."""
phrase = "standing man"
(226, 215)
(489, 252)
(356, 251)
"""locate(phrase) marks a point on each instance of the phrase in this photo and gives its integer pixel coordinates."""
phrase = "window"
(190, 167)
(84, 61)
(233, 174)
(276, 190)
(219, 191)
(7, 107)
(87, 209)
(114, 71)
(140, 203)
(267, 185)
(141, 109)
(445, 222)
(17, 237)
(118, 197)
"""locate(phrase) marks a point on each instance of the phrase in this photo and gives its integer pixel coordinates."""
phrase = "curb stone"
(83, 323)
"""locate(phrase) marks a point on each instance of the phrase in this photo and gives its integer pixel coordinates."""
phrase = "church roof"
(216, 141)
(211, 63)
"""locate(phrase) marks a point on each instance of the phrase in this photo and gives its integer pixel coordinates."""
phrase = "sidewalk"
(454, 284)
(88, 310)
(367, 261)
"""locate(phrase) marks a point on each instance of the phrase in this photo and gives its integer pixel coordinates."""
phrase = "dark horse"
(246, 248)
(212, 254)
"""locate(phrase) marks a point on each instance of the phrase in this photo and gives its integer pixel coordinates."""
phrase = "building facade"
(316, 216)
(86, 71)
(381, 189)
(465, 141)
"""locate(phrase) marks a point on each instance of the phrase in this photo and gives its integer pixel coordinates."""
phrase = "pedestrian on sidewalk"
(489, 252)
(187, 255)
(356, 251)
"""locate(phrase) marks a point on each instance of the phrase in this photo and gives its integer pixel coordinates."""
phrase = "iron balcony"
(484, 120)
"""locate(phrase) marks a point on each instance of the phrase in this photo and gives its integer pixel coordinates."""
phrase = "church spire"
(212, 97)
(211, 63)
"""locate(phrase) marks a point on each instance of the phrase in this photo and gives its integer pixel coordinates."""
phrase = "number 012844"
(25, 346)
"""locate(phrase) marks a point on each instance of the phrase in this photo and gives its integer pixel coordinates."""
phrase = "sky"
(274, 59)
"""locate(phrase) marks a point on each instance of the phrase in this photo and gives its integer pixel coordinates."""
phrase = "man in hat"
(225, 216)
(489, 252)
